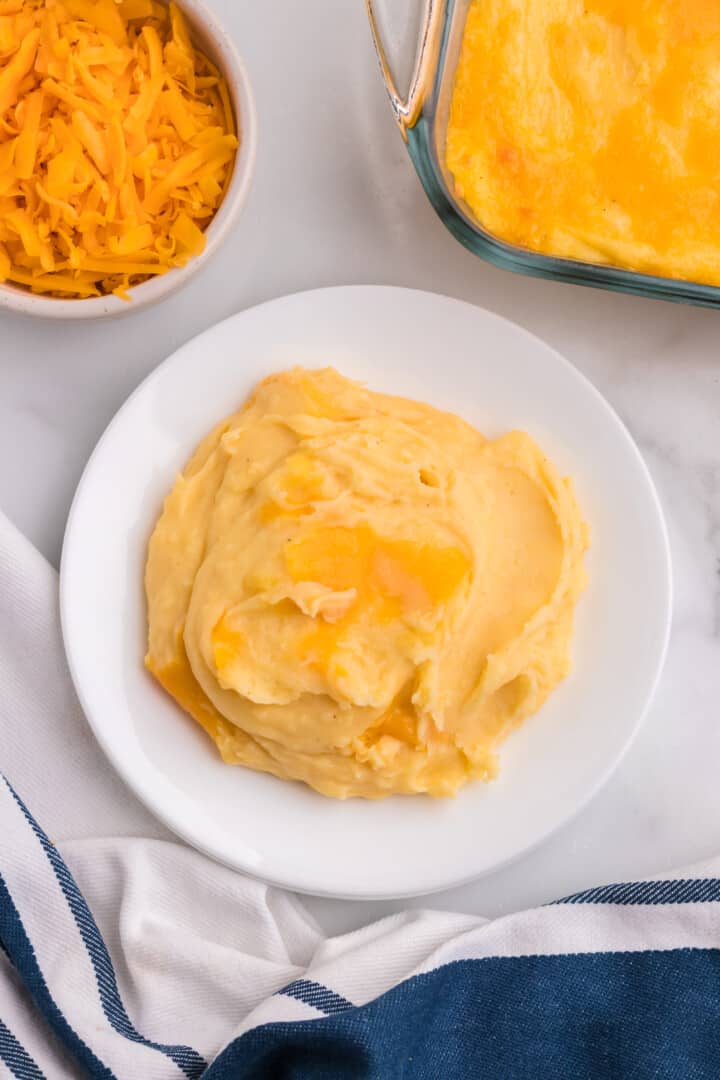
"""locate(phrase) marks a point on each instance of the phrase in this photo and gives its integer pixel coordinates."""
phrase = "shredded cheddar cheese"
(117, 141)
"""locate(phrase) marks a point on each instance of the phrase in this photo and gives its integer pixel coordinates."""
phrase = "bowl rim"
(224, 52)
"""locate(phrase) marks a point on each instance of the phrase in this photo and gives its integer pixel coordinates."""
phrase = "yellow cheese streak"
(362, 592)
(590, 129)
(117, 140)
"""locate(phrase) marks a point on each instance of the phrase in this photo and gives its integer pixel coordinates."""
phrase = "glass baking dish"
(422, 117)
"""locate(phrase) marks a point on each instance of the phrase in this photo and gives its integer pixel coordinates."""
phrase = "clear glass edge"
(421, 144)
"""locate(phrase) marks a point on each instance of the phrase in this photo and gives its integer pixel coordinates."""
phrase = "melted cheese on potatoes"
(362, 592)
(589, 129)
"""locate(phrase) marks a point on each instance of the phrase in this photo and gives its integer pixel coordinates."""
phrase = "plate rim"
(156, 807)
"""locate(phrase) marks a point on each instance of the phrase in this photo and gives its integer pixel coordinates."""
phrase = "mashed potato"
(362, 592)
(590, 129)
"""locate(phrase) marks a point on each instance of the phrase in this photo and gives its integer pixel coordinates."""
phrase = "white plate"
(457, 357)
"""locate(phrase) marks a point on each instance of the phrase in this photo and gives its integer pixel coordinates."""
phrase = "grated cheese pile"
(117, 141)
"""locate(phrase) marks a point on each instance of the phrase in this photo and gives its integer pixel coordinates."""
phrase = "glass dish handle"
(407, 110)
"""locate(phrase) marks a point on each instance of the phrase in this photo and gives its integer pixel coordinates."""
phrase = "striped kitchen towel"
(142, 960)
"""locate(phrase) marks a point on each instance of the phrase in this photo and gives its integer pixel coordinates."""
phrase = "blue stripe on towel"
(317, 995)
(651, 1015)
(677, 891)
(15, 1056)
(22, 956)
(187, 1059)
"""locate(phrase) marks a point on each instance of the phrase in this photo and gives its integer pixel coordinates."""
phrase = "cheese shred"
(117, 143)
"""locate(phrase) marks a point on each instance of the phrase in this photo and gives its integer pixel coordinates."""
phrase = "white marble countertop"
(335, 201)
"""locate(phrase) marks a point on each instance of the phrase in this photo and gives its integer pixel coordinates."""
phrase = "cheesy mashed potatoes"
(590, 129)
(362, 592)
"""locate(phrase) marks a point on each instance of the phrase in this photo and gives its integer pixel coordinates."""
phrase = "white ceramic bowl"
(215, 41)
(457, 357)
